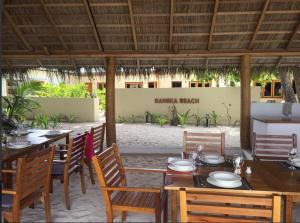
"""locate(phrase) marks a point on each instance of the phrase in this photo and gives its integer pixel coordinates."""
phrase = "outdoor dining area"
(63, 175)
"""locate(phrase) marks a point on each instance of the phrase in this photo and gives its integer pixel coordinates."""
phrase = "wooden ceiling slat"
(17, 30)
(260, 21)
(133, 30)
(92, 21)
(213, 21)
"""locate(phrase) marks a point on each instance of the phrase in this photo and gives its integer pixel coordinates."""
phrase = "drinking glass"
(200, 151)
(193, 156)
(292, 153)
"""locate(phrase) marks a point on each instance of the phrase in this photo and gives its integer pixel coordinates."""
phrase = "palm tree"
(288, 92)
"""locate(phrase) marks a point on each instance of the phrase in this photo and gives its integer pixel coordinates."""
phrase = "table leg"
(174, 206)
(288, 208)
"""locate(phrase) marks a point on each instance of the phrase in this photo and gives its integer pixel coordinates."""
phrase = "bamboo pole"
(110, 101)
(245, 101)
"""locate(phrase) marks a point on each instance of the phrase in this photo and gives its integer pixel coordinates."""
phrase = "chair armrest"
(61, 150)
(62, 145)
(133, 189)
(144, 170)
(8, 191)
(8, 171)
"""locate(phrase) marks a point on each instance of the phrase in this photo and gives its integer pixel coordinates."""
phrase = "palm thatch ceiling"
(164, 34)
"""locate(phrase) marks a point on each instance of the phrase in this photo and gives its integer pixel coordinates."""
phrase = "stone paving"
(135, 141)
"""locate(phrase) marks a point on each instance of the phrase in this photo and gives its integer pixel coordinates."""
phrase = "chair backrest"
(212, 142)
(75, 154)
(98, 137)
(273, 147)
(34, 172)
(230, 206)
(110, 170)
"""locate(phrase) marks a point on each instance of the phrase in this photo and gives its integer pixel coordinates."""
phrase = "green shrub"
(101, 94)
(63, 91)
(214, 116)
(183, 117)
(162, 120)
(41, 121)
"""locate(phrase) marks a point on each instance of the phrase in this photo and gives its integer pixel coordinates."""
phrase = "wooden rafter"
(212, 26)
(171, 29)
(92, 21)
(206, 62)
(39, 62)
(17, 30)
(158, 54)
(296, 29)
(133, 30)
(52, 22)
(259, 23)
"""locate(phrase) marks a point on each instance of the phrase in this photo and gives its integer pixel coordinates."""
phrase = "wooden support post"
(110, 101)
(245, 101)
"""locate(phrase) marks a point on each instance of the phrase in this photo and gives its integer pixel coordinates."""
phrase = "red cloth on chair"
(89, 152)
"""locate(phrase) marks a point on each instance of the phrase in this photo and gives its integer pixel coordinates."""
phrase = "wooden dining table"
(38, 139)
(265, 176)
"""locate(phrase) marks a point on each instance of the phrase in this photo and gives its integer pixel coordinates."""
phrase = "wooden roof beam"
(158, 54)
(17, 30)
(213, 21)
(206, 63)
(92, 21)
(52, 22)
(259, 23)
(133, 30)
(296, 29)
(171, 30)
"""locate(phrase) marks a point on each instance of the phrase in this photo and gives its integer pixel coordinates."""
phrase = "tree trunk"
(297, 83)
(287, 88)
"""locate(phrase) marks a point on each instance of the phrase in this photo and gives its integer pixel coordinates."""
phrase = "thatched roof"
(165, 34)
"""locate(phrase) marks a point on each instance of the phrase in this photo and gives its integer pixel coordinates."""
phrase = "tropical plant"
(162, 120)
(198, 119)
(54, 121)
(207, 119)
(228, 115)
(63, 90)
(101, 94)
(41, 121)
(15, 106)
(214, 116)
(183, 117)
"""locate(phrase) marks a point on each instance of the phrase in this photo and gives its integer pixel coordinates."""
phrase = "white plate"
(224, 184)
(19, 145)
(213, 159)
(182, 168)
(182, 162)
(223, 176)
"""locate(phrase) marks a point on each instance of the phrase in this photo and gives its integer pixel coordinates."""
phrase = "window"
(134, 85)
(89, 86)
(101, 85)
(271, 89)
(200, 84)
(195, 84)
(176, 84)
(152, 84)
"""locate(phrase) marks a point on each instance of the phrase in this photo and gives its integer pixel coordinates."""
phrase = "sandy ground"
(141, 145)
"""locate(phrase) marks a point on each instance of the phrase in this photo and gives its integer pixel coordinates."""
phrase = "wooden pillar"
(245, 101)
(110, 101)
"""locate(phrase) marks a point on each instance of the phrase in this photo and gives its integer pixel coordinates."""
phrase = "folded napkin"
(89, 151)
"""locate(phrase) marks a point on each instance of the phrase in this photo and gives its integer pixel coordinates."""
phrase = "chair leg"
(89, 164)
(109, 215)
(66, 191)
(288, 208)
(166, 211)
(47, 206)
(124, 216)
(158, 215)
(82, 180)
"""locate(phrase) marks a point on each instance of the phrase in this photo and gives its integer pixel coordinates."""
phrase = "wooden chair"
(273, 147)
(73, 162)
(33, 174)
(228, 206)
(212, 142)
(98, 140)
(118, 197)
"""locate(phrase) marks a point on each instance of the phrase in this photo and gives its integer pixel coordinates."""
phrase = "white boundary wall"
(137, 101)
(86, 109)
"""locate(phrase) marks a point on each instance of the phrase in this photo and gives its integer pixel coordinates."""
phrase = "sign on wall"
(176, 100)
